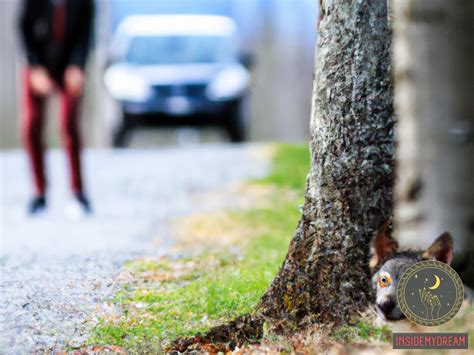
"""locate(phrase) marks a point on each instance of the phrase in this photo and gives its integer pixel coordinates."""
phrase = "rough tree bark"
(325, 276)
(349, 188)
(434, 74)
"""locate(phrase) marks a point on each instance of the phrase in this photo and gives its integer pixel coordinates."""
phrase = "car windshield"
(148, 50)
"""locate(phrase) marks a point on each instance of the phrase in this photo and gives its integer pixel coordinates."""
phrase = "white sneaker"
(79, 207)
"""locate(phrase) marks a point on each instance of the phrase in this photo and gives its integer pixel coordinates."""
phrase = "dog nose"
(386, 307)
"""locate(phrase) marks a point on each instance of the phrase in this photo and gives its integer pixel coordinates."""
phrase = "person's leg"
(72, 145)
(32, 132)
(71, 139)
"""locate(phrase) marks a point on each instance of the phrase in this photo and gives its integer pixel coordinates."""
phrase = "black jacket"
(36, 33)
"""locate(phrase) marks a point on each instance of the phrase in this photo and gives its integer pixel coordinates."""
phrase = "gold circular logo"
(430, 293)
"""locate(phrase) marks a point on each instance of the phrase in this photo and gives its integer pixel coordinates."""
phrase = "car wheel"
(236, 124)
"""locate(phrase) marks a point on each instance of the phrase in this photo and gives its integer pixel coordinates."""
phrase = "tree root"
(247, 329)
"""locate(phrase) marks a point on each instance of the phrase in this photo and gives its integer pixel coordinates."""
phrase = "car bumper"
(177, 106)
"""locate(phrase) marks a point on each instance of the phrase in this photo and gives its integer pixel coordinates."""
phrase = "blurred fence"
(281, 33)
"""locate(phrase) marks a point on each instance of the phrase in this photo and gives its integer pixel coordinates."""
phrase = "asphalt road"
(56, 269)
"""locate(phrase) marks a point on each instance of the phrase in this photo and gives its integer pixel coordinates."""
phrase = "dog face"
(388, 264)
(385, 281)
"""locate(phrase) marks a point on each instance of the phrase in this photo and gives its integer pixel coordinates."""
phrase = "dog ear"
(382, 245)
(441, 249)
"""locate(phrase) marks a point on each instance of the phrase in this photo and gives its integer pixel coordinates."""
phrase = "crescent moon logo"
(434, 305)
(436, 284)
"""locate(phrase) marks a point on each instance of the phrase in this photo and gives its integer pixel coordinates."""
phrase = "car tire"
(236, 124)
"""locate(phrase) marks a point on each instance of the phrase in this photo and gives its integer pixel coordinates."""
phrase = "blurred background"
(276, 41)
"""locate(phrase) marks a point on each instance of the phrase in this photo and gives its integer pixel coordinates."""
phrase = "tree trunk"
(434, 71)
(325, 276)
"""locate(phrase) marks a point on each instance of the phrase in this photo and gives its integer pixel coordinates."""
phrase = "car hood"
(171, 74)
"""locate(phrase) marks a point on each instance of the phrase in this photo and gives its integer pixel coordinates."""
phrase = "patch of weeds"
(361, 332)
(141, 265)
(370, 332)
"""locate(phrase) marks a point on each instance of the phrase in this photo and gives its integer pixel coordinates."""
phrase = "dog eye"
(384, 279)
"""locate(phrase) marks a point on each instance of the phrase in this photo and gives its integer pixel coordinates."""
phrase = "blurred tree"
(325, 276)
(435, 87)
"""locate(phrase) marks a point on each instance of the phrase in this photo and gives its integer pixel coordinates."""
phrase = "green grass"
(217, 294)
(224, 285)
(290, 167)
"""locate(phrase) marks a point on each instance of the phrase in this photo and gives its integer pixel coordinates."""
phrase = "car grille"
(188, 90)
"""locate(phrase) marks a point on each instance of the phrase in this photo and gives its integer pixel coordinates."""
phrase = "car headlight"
(127, 86)
(229, 83)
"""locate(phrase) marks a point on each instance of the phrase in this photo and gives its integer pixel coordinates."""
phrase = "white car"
(178, 70)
